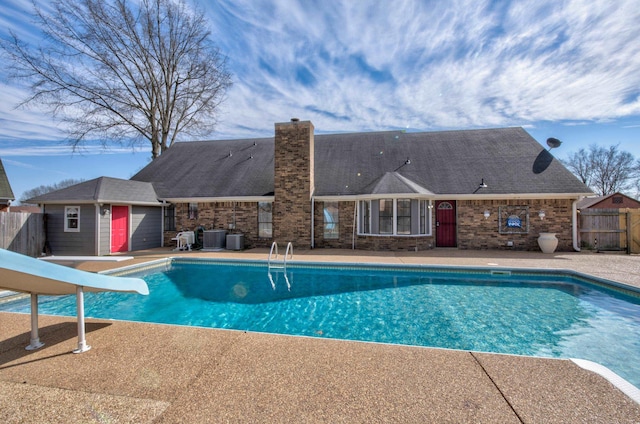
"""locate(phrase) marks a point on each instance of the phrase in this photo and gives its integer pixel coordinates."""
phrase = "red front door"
(446, 223)
(119, 229)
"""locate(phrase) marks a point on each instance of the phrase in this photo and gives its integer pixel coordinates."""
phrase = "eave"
(238, 199)
(505, 196)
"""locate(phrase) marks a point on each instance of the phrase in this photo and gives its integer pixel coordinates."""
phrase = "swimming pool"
(525, 312)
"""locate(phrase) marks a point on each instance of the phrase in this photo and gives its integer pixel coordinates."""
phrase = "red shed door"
(119, 229)
(446, 223)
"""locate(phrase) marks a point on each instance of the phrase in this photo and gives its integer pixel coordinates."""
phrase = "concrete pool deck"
(165, 374)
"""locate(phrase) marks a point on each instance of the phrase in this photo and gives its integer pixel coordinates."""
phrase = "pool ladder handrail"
(281, 265)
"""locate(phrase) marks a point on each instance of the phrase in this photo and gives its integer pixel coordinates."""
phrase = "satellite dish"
(553, 143)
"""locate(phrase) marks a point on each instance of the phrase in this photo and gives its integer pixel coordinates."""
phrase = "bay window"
(401, 217)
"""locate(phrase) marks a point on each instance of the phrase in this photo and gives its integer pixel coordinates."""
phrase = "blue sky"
(564, 69)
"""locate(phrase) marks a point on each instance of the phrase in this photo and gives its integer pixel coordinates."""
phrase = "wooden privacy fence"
(610, 229)
(22, 232)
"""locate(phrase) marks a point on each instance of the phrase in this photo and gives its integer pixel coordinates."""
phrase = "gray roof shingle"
(103, 190)
(447, 162)
(225, 168)
(6, 194)
(443, 163)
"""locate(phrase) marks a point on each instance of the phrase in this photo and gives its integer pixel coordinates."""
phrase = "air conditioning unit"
(214, 239)
(235, 241)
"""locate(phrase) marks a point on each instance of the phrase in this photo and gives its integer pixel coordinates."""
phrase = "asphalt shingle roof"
(6, 193)
(103, 190)
(445, 163)
(225, 168)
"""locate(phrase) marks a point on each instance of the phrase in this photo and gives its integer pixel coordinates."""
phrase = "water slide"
(24, 274)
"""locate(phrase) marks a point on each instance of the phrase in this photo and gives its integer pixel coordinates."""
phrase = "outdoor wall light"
(105, 211)
(487, 214)
(541, 214)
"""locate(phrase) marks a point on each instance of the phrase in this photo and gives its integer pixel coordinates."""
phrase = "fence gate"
(610, 229)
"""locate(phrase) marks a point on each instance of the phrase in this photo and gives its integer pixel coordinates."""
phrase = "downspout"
(574, 217)
(313, 208)
(355, 221)
(163, 213)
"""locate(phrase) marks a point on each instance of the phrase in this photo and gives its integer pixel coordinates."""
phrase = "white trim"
(313, 210)
(574, 224)
(428, 218)
(97, 230)
(238, 199)
(67, 229)
(99, 202)
(507, 196)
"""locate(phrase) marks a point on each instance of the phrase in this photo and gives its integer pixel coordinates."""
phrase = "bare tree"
(580, 164)
(605, 170)
(124, 70)
(44, 189)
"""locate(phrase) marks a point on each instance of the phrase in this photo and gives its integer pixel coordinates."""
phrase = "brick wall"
(218, 216)
(374, 243)
(473, 230)
(476, 232)
(293, 183)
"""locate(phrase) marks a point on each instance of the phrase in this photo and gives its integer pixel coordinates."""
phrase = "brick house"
(391, 190)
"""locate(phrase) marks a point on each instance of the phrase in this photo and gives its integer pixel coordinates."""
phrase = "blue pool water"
(525, 313)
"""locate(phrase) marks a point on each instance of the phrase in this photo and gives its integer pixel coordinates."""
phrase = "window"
(424, 213)
(265, 216)
(385, 216)
(193, 211)
(403, 217)
(170, 218)
(365, 217)
(617, 199)
(331, 220)
(72, 219)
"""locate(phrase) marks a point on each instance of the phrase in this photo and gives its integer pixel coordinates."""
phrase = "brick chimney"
(293, 182)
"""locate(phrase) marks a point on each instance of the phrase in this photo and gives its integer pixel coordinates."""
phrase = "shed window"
(72, 219)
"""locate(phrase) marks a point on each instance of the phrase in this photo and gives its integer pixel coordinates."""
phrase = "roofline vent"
(295, 120)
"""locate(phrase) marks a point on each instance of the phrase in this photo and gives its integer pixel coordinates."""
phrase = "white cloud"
(369, 65)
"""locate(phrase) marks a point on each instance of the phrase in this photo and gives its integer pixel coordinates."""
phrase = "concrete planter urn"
(547, 242)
